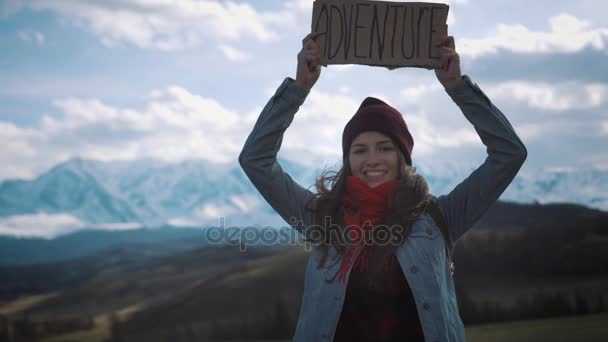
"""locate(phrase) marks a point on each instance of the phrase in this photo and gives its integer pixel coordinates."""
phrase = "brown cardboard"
(382, 33)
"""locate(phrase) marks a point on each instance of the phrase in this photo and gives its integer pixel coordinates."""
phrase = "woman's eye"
(358, 151)
(387, 148)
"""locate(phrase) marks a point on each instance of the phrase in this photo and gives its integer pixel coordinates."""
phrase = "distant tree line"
(278, 323)
(536, 250)
(536, 306)
(23, 328)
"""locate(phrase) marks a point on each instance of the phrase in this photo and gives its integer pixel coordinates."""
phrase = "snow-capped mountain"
(198, 193)
(588, 187)
(66, 188)
(136, 193)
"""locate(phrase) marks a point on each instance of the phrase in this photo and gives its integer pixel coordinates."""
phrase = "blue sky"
(175, 80)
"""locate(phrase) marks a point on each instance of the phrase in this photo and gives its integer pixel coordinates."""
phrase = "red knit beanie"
(375, 115)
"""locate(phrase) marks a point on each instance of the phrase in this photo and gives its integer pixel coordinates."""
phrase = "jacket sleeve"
(259, 157)
(470, 199)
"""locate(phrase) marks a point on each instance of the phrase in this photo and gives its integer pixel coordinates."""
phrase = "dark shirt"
(379, 305)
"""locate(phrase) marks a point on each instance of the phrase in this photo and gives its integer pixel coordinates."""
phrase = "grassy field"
(191, 290)
(591, 328)
(99, 333)
(23, 303)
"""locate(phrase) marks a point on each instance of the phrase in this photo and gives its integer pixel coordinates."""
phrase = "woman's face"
(374, 158)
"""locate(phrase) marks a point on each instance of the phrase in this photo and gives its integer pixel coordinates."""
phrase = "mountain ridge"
(197, 193)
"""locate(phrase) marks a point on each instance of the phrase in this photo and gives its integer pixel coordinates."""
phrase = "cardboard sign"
(391, 34)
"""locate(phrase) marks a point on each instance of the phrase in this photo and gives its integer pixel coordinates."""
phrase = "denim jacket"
(422, 256)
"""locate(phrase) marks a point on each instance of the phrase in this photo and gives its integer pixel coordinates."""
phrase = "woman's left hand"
(448, 73)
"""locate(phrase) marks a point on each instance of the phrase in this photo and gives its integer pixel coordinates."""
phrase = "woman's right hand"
(309, 62)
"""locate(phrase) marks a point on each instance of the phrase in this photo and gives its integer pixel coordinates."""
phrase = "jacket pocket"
(427, 237)
(425, 229)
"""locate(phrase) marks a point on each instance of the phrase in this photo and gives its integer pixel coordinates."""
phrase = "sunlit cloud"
(33, 37)
(552, 97)
(163, 25)
(568, 34)
(173, 125)
(39, 225)
(234, 54)
(51, 225)
(605, 127)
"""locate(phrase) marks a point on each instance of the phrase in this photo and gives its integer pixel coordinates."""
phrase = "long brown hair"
(407, 201)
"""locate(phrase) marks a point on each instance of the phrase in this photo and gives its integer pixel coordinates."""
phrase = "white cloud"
(34, 37)
(183, 24)
(541, 129)
(234, 54)
(416, 93)
(39, 225)
(304, 5)
(317, 129)
(116, 226)
(567, 34)
(183, 222)
(52, 225)
(435, 129)
(340, 67)
(551, 96)
(173, 125)
(164, 25)
(246, 203)
(211, 211)
(318, 125)
(605, 127)
(433, 120)
(19, 149)
(344, 90)
(451, 18)
(430, 135)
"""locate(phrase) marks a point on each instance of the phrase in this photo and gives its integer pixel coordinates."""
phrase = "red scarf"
(364, 207)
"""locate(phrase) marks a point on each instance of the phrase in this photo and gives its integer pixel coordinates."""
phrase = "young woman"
(379, 269)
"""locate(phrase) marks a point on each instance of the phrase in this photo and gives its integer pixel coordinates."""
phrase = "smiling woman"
(380, 267)
(374, 158)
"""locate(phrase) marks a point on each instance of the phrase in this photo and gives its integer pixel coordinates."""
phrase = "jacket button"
(429, 231)
(426, 306)
(337, 297)
(414, 269)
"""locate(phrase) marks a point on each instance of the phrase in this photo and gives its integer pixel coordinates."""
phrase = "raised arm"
(470, 199)
(259, 155)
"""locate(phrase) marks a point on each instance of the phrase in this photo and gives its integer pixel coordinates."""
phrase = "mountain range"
(79, 194)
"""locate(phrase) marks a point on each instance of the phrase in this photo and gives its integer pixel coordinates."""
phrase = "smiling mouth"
(374, 173)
